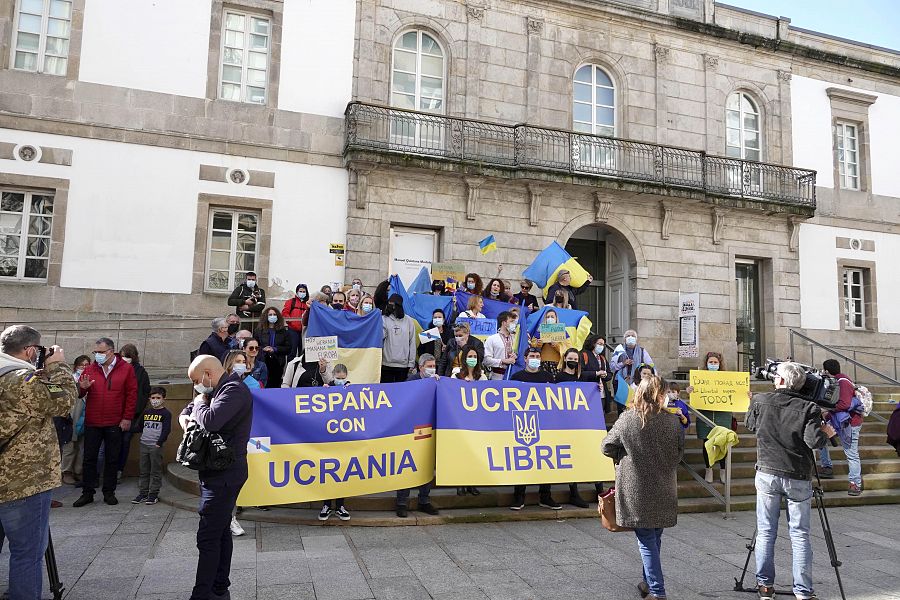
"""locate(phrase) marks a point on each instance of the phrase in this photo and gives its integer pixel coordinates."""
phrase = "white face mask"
(598, 349)
(357, 286)
(513, 326)
(460, 342)
(126, 359)
(340, 381)
(157, 402)
(630, 341)
(430, 371)
(203, 389)
(551, 319)
(251, 283)
(239, 368)
(438, 321)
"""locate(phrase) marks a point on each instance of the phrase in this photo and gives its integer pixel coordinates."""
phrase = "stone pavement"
(147, 552)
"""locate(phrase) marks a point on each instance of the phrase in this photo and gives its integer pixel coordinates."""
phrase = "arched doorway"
(608, 256)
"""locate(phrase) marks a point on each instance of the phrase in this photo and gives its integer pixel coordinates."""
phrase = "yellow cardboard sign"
(725, 391)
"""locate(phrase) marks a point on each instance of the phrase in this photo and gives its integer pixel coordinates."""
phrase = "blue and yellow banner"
(360, 339)
(310, 444)
(507, 433)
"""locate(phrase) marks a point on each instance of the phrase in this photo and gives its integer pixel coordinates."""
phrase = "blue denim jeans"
(649, 543)
(851, 451)
(770, 489)
(26, 524)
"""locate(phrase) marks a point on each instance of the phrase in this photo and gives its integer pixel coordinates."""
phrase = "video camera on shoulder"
(819, 388)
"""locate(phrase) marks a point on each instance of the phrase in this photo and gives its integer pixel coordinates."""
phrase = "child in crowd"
(676, 406)
(157, 423)
(340, 376)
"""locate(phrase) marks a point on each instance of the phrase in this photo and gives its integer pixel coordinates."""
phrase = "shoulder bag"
(606, 506)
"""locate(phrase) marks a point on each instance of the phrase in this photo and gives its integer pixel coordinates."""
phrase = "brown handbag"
(606, 506)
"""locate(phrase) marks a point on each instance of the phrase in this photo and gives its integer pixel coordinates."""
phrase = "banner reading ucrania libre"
(311, 444)
(505, 433)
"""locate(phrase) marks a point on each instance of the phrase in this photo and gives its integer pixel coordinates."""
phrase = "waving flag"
(421, 284)
(488, 244)
(547, 265)
(360, 339)
(420, 306)
(578, 328)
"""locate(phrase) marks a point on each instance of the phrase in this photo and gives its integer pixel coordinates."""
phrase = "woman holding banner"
(570, 371)
(646, 443)
(551, 352)
(713, 363)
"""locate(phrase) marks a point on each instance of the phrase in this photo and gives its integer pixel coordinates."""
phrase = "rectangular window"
(854, 298)
(42, 32)
(26, 220)
(848, 155)
(245, 58)
(231, 247)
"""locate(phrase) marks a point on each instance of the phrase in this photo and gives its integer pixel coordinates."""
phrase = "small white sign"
(429, 335)
(316, 348)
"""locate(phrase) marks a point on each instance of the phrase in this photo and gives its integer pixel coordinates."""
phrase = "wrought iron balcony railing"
(383, 129)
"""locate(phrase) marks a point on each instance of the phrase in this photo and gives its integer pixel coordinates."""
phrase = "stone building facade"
(692, 89)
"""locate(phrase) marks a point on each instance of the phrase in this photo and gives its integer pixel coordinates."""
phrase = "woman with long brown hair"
(646, 444)
(272, 337)
(713, 362)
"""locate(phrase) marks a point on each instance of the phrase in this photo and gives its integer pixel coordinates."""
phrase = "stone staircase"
(880, 468)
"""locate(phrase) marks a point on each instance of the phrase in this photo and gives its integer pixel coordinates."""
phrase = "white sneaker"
(709, 476)
(722, 476)
(236, 528)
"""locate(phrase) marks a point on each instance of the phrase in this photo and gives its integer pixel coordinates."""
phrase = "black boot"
(575, 498)
(598, 487)
(473, 490)
(461, 491)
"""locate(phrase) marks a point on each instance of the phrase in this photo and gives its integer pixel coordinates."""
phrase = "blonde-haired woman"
(473, 308)
(646, 444)
(366, 305)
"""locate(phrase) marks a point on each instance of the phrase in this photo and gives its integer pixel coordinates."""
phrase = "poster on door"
(411, 249)
(688, 324)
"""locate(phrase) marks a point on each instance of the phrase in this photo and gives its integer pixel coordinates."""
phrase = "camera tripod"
(56, 586)
(819, 496)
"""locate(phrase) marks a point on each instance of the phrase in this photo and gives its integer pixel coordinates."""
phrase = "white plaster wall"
(317, 56)
(819, 294)
(812, 137)
(161, 46)
(132, 209)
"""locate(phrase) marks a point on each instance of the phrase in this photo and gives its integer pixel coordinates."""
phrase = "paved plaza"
(148, 552)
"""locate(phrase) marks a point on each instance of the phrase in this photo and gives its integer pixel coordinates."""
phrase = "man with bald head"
(223, 405)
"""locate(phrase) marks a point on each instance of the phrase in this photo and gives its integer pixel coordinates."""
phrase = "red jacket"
(847, 392)
(109, 400)
(294, 308)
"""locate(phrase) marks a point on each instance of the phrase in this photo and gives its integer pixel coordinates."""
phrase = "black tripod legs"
(819, 495)
(56, 586)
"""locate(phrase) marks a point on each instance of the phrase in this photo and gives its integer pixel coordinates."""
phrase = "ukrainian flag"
(488, 244)
(360, 339)
(578, 328)
(547, 265)
(420, 306)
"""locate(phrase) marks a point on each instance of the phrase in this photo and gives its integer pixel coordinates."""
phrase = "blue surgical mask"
(598, 349)
(340, 382)
(470, 285)
(534, 364)
(438, 321)
(239, 368)
(206, 390)
(367, 308)
(301, 295)
(712, 367)
(100, 357)
(272, 319)
(631, 341)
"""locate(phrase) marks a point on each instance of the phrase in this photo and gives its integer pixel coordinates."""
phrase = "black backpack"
(203, 450)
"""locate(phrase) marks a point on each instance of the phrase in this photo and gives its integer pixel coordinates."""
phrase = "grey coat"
(646, 462)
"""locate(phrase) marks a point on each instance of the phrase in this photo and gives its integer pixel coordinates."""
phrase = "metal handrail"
(831, 350)
(726, 498)
(522, 146)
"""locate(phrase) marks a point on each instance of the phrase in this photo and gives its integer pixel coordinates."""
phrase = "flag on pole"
(547, 265)
(488, 244)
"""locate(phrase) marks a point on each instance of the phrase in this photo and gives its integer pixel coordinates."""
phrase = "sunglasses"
(249, 348)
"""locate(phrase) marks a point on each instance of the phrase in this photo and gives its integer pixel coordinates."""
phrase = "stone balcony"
(379, 135)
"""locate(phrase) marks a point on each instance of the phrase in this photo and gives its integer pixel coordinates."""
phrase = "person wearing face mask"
(570, 371)
(628, 356)
(451, 358)
(494, 291)
(109, 388)
(470, 369)
(551, 352)
(437, 348)
(130, 355)
(236, 362)
(354, 297)
(356, 284)
(73, 452)
(256, 368)
(724, 419)
(595, 366)
(249, 299)
(273, 338)
(233, 322)
(561, 300)
(156, 423)
(338, 300)
(398, 354)
(293, 311)
(473, 284)
(326, 289)
(366, 305)
(223, 405)
(427, 370)
(499, 353)
(563, 284)
(29, 462)
(533, 373)
(217, 342)
(439, 288)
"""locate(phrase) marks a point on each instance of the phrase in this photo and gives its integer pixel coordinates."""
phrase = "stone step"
(747, 470)
(867, 438)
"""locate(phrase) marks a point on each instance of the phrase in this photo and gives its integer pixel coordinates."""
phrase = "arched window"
(742, 127)
(417, 78)
(594, 101)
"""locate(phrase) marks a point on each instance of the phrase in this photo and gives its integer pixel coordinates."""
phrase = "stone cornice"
(851, 96)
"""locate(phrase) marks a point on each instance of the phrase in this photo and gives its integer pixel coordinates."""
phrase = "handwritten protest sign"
(446, 271)
(317, 348)
(553, 332)
(480, 327)
(726, 391)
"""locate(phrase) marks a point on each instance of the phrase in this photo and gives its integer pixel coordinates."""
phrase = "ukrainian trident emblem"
(526, 428)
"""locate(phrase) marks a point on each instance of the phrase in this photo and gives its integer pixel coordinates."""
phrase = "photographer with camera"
(788, 427)
(31, 394)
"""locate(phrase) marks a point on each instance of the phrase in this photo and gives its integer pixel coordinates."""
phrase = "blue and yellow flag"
(360, 339)
(578, 328)
(309, 444)
(547, 265)
(420, 306)
(488, 244)
(507, 433)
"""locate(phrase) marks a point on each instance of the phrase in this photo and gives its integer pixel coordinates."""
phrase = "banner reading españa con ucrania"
(506, 433)
(311, 444)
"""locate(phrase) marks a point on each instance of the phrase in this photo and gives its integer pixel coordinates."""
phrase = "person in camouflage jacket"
(29, 451)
